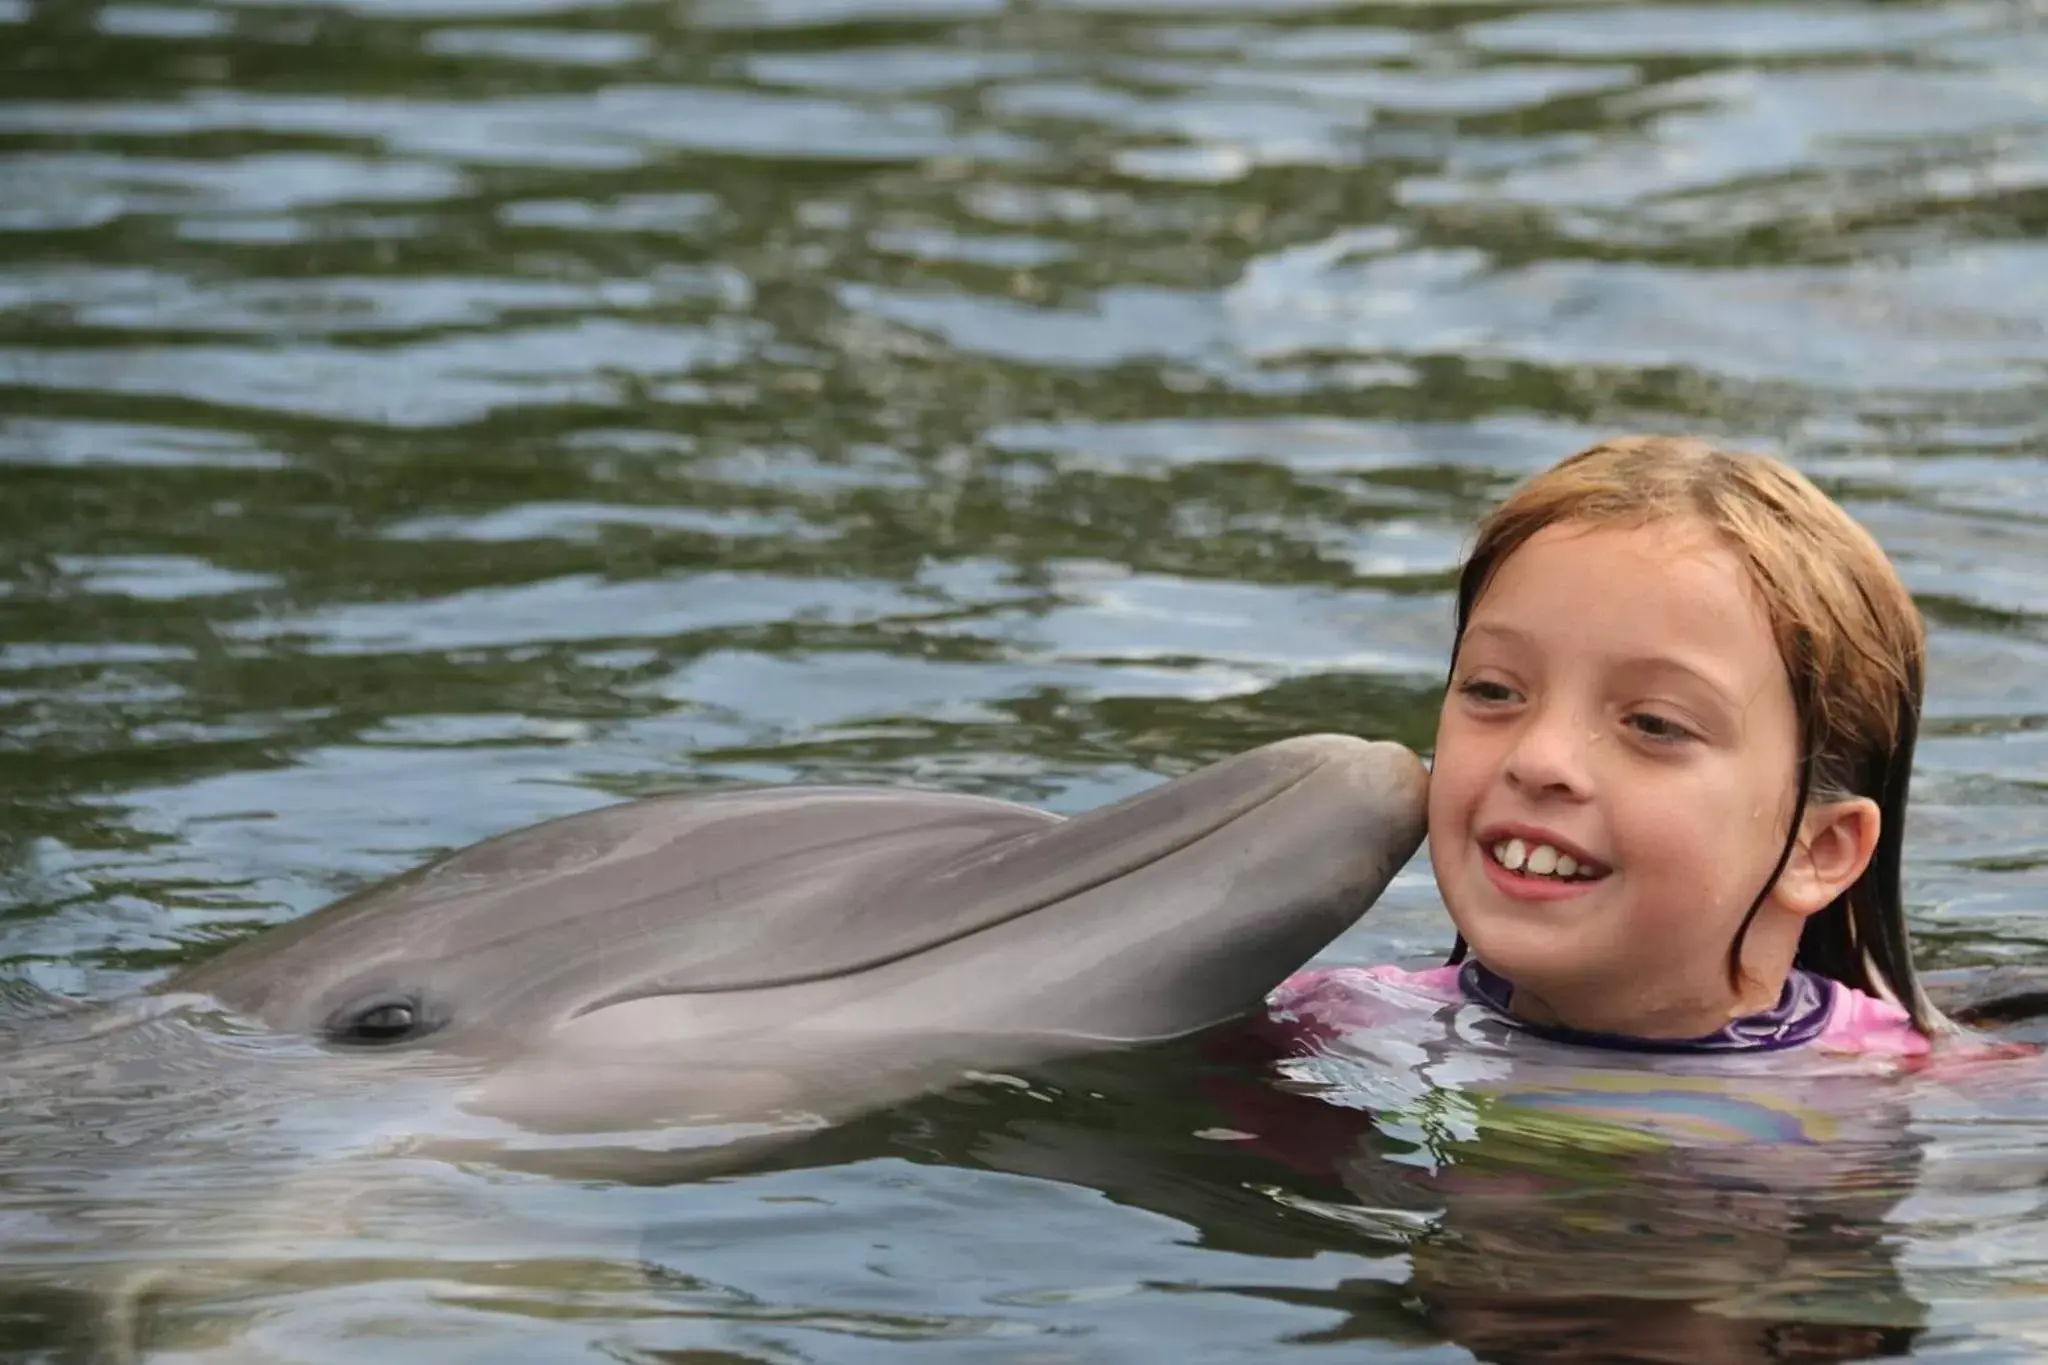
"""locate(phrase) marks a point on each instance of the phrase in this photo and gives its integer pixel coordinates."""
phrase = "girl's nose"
(1549, 755)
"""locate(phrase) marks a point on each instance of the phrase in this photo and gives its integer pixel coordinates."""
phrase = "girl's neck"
(1653, 1019)
(1799, 1014)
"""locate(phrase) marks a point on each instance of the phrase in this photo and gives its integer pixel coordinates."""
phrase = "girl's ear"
(1835, 842)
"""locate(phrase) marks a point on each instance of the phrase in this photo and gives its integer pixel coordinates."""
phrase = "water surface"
(422, 418)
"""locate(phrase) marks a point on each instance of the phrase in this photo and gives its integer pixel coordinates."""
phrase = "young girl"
(1669, 788)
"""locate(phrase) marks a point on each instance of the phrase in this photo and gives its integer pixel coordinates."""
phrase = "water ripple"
(424, 417)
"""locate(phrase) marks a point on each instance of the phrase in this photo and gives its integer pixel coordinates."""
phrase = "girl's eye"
(1486, 691)
(1659, 728)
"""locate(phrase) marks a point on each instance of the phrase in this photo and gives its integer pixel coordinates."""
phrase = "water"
(419, 419)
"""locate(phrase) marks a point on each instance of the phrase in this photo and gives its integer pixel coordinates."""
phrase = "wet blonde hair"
(1850, 636)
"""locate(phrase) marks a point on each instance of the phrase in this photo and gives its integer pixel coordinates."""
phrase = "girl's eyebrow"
(1720, 691)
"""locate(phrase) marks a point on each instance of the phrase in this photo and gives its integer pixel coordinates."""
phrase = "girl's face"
(1614, 770)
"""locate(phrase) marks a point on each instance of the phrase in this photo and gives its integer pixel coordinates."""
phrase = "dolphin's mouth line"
(652, 989)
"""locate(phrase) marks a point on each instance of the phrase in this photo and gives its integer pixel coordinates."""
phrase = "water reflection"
(1535, 1234)
(422, 417)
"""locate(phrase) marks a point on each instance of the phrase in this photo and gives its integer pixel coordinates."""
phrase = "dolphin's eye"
(385, 1021)
(379, 1019)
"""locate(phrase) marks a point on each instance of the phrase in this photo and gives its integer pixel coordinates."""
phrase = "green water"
(420, 419)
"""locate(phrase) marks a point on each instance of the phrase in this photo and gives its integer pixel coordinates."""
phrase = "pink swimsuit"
(1834, 1018)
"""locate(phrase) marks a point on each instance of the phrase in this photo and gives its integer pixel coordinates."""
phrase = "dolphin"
(821, 950)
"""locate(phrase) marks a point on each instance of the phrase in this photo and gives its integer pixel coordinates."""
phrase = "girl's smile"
(1528, 862)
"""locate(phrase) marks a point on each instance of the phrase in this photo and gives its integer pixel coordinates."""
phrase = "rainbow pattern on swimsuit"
(1689, 1111)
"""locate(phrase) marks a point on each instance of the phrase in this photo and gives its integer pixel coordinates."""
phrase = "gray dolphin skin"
(820, 950)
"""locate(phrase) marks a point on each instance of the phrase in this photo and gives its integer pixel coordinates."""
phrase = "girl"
(1669, 787)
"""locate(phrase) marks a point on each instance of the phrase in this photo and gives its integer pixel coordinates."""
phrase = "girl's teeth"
(1541, 861)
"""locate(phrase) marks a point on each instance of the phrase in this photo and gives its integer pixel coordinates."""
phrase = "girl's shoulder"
(1861, 1023)
(1355, 997)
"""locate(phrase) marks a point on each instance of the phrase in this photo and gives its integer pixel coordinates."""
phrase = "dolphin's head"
(841, 933)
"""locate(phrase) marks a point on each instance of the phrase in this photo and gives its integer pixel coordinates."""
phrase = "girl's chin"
(1526, 955)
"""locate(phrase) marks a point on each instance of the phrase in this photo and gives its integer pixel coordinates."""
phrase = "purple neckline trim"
(1799, 1017)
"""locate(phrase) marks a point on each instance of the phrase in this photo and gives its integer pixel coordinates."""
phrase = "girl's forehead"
(1634, 590)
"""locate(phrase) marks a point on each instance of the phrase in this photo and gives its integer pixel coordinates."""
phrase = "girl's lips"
(1516, 886)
